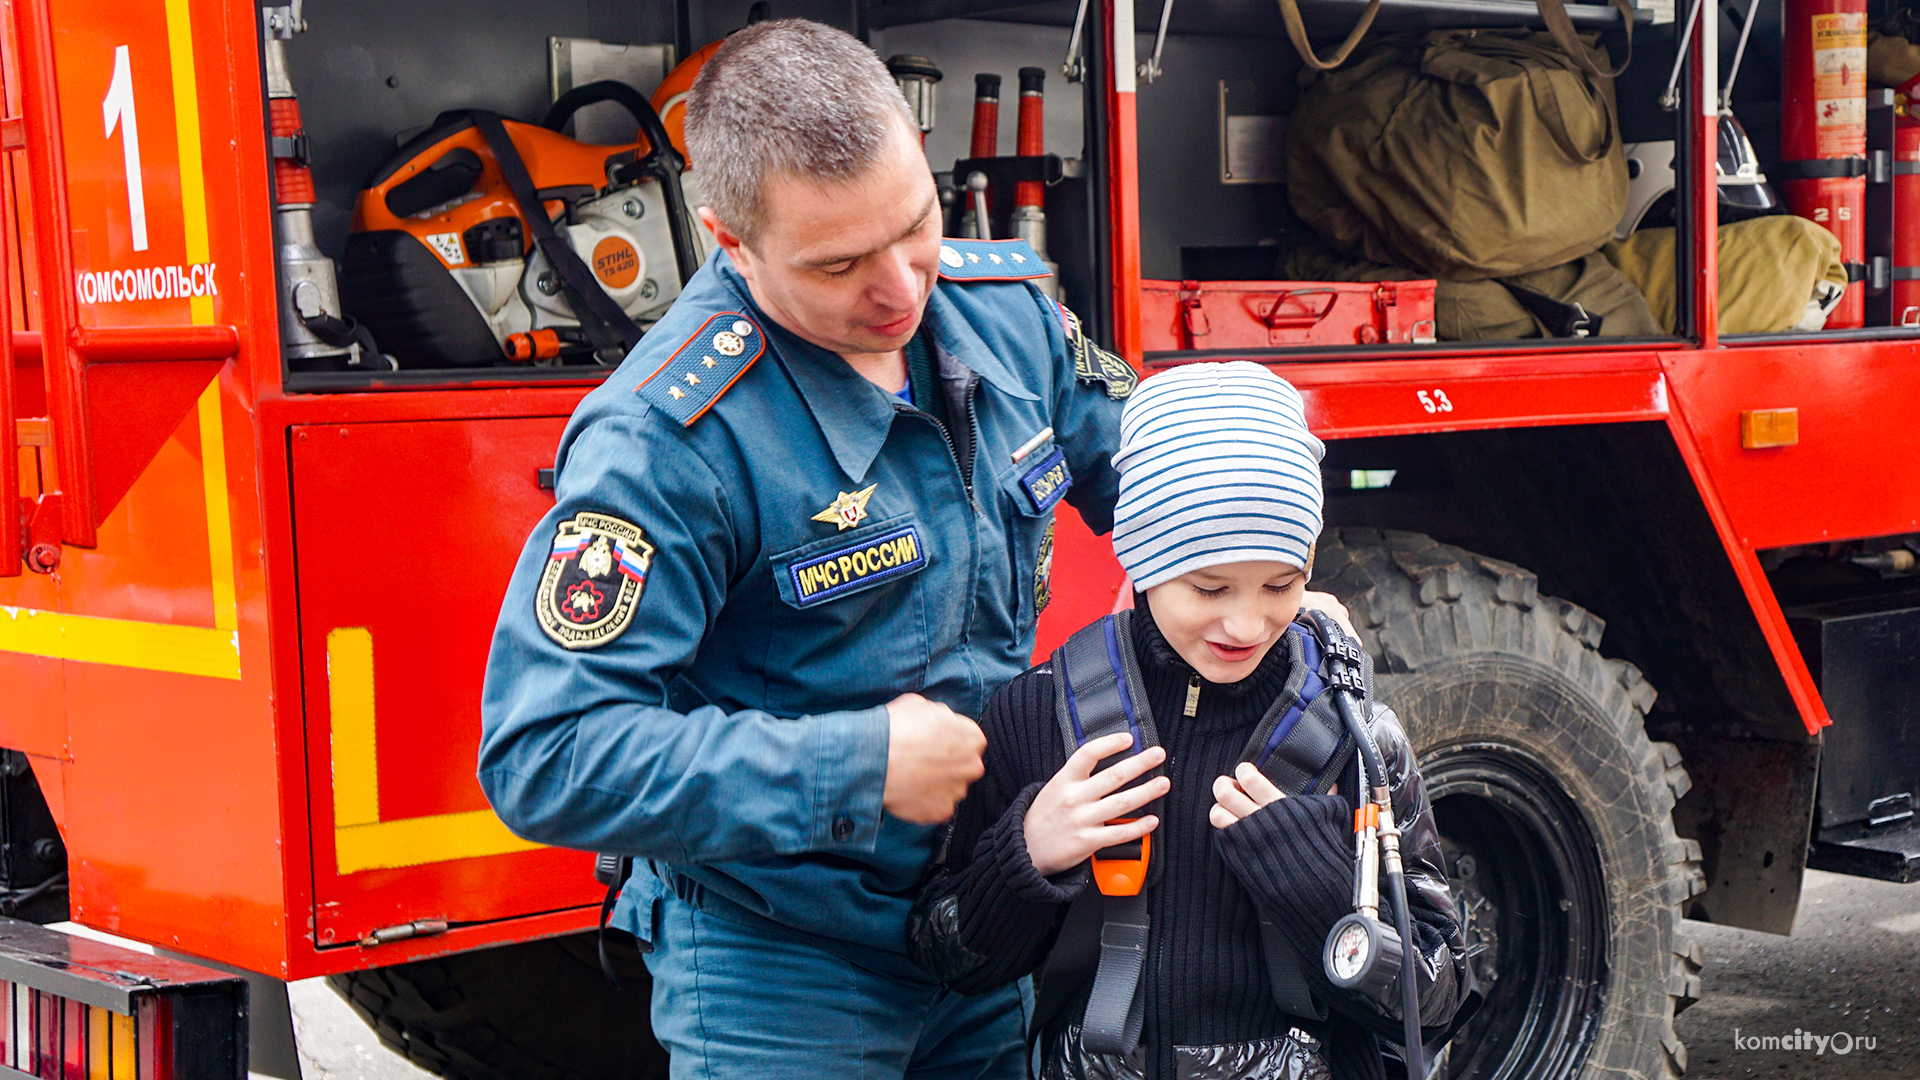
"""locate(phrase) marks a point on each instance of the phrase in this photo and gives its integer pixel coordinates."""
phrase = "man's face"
(847, 265)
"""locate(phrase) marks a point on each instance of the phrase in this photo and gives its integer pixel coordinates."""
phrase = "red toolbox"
(1176, 315)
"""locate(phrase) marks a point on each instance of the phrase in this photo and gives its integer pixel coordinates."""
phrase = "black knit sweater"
(1205, 975)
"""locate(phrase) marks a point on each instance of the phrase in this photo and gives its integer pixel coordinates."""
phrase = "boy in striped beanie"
(1220, 505)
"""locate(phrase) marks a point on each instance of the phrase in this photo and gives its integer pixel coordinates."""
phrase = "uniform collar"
(854, 414)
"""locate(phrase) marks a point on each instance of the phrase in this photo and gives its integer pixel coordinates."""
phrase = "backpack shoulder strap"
(1097, 688)
(1302, 745)
(1098, 691)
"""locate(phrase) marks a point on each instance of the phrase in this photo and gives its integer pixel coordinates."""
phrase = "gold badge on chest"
(848, 510)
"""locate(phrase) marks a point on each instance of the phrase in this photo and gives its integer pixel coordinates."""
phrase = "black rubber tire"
(1534, 748)
(534, 1011)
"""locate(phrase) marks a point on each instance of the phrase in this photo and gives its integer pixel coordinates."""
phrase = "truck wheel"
(1555, 809)
(535, 1010)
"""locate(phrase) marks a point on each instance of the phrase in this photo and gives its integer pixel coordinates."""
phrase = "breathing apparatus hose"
(663, 161)
(1373, 768)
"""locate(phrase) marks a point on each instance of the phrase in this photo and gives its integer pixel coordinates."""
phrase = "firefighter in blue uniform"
(800, 536)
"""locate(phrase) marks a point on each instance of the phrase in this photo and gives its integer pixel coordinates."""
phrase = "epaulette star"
(990, 260)
(726, 345)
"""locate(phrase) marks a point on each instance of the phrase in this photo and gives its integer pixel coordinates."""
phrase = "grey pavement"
(1850, 972)
(335, 1044)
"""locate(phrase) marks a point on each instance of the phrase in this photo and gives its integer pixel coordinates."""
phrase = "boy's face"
(1223, 619)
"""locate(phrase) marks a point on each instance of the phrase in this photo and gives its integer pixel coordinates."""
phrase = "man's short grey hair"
(787, 96)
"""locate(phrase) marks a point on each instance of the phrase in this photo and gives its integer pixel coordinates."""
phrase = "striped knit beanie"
(1216, 466)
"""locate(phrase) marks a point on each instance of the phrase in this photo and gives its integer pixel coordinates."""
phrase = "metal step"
(1890, 855)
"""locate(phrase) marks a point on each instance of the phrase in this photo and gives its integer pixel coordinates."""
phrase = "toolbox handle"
(1276, 320)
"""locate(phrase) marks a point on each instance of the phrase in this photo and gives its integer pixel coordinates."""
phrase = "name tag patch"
(831, 573)
(1048, 481)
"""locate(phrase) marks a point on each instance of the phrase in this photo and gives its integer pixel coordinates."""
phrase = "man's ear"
(729, 242)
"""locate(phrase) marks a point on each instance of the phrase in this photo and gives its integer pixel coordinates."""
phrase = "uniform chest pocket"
(852, 630)
(852, 562)
(1034, 486)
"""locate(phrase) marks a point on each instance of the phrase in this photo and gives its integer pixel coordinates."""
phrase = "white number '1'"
(117, 110)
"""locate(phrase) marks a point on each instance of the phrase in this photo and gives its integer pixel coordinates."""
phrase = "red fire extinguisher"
(1906, 206)
(1823, 132)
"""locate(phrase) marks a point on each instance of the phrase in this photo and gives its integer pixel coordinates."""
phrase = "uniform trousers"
(733, 1001)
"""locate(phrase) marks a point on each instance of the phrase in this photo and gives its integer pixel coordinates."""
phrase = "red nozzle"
(1032, 138)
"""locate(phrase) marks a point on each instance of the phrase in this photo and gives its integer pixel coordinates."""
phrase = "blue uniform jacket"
(752, 550)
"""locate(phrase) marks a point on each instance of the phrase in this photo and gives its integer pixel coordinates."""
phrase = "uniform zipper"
(946, 436)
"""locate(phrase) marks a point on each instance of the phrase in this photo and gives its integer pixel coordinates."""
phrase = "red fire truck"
(1643, 603)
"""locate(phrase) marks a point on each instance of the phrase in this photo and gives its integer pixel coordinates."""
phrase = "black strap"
(1075, 953)
(1116, 1007)
(1559, 318)
(1856, 271)
(614, 870)
(343, 333)
(591, 305)
(1098, 691)
(1820, 169)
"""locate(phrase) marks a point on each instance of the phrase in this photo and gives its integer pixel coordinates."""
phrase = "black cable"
(12, 902)
(1397, 884)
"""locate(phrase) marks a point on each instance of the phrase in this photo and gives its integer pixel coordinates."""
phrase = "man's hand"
(1236, 796)
(1067, 822)
(1320, 601)
(933, 753)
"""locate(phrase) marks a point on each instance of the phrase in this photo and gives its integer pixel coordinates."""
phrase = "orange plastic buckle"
(1123, 877)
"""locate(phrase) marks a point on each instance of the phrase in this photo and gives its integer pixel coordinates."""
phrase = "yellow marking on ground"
(361, 841)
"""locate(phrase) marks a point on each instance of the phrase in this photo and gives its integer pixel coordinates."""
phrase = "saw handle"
(661, 159)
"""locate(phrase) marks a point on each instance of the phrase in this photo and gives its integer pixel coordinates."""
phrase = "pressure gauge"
(1363, 954)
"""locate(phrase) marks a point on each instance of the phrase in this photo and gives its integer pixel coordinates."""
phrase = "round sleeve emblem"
(729, 343)
(951, 257)
(594, 575)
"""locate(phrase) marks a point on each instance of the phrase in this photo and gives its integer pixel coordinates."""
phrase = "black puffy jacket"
(987, 917)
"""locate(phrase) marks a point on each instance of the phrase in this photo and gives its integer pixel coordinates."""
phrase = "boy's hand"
(1236, 796)
(1067, 821)
(1330, 604)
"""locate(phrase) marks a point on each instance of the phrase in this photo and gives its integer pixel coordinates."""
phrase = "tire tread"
(1455, 603)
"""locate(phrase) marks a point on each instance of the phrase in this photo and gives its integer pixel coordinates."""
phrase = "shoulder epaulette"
(704, 367)
(989, 260)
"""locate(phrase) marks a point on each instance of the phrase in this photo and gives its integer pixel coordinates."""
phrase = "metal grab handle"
(1274, 320)
(13, 537)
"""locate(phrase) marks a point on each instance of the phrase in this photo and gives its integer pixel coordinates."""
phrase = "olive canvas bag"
(1461, 154)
